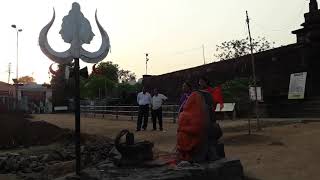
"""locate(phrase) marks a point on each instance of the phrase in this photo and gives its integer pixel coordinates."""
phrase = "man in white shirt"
(157, 101)
(144, 100)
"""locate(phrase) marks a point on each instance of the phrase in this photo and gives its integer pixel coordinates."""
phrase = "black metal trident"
(75, 30)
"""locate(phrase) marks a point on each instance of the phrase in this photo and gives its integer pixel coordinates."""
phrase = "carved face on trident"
(76, 30)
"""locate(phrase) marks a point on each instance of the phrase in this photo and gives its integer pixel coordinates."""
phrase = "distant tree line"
(106, 81)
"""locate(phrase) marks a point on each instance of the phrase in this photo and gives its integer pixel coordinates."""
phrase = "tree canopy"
(108, 80)
(237, 48)
(26, 80)
(126, 76)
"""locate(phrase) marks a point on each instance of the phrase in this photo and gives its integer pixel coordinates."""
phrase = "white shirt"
(157, 101)
(144, 99)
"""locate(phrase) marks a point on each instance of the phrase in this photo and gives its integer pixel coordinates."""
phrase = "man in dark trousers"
(144, 100)
(157, 101)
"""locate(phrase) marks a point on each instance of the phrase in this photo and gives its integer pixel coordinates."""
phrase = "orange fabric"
(190, 126)
(216, 95)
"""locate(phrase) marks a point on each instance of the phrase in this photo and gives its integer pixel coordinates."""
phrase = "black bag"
(220, 150)
(215, 129)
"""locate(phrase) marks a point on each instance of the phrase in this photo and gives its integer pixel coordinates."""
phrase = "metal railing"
(168, 111)
(7, 104)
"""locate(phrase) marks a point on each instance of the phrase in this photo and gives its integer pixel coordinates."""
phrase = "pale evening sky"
(171, 31)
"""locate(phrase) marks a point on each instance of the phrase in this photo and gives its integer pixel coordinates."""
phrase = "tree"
(95, 85)
(62, 89)
(127, 93)
(106, 80)
(236, 90)
(26, 80)
(237, 48)
(109, 70)
(125, 76)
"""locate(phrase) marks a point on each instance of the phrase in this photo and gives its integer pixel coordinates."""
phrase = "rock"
(11, 165)
(114, 154)
(34, 164)
(106, 166)
(16, 166)
(31, 176)
(3, 162)
(54, 162)
(89, 174)
(24, 163)
(27, 170)
(70, 156)
(2, 165)
(45, 158)
(62, 168)
(33, 158)
(55, 156)
(82, 148)
(3, 158)
(38, 169)
(13, 154)
(73, 177)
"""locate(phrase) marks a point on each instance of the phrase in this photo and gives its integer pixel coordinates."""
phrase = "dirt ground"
(287, 152)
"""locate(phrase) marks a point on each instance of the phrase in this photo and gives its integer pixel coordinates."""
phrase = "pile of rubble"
(17, 131)
(49, 164)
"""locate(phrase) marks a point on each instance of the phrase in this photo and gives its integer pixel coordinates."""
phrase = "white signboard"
(227, 107)
(252, 94)
(297, 85)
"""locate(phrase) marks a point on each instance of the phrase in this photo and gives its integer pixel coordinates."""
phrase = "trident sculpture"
(75, 30)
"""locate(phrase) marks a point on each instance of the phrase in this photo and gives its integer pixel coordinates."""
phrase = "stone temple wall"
(273, 69)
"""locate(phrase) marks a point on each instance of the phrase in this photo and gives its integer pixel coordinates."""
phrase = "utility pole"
(147, 59)
(9, 72)
(253, 73)
(204, 58)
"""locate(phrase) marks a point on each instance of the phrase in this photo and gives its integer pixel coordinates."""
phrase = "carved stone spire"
(313, 6)
(311, 26)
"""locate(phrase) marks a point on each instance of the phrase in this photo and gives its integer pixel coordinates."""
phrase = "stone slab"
(224, 169)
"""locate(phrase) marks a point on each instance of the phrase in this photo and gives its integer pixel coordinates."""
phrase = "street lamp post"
(17, 30)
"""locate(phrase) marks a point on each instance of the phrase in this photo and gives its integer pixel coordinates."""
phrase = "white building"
(35, 98)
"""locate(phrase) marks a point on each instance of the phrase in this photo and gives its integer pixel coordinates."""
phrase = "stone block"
(224, 169)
